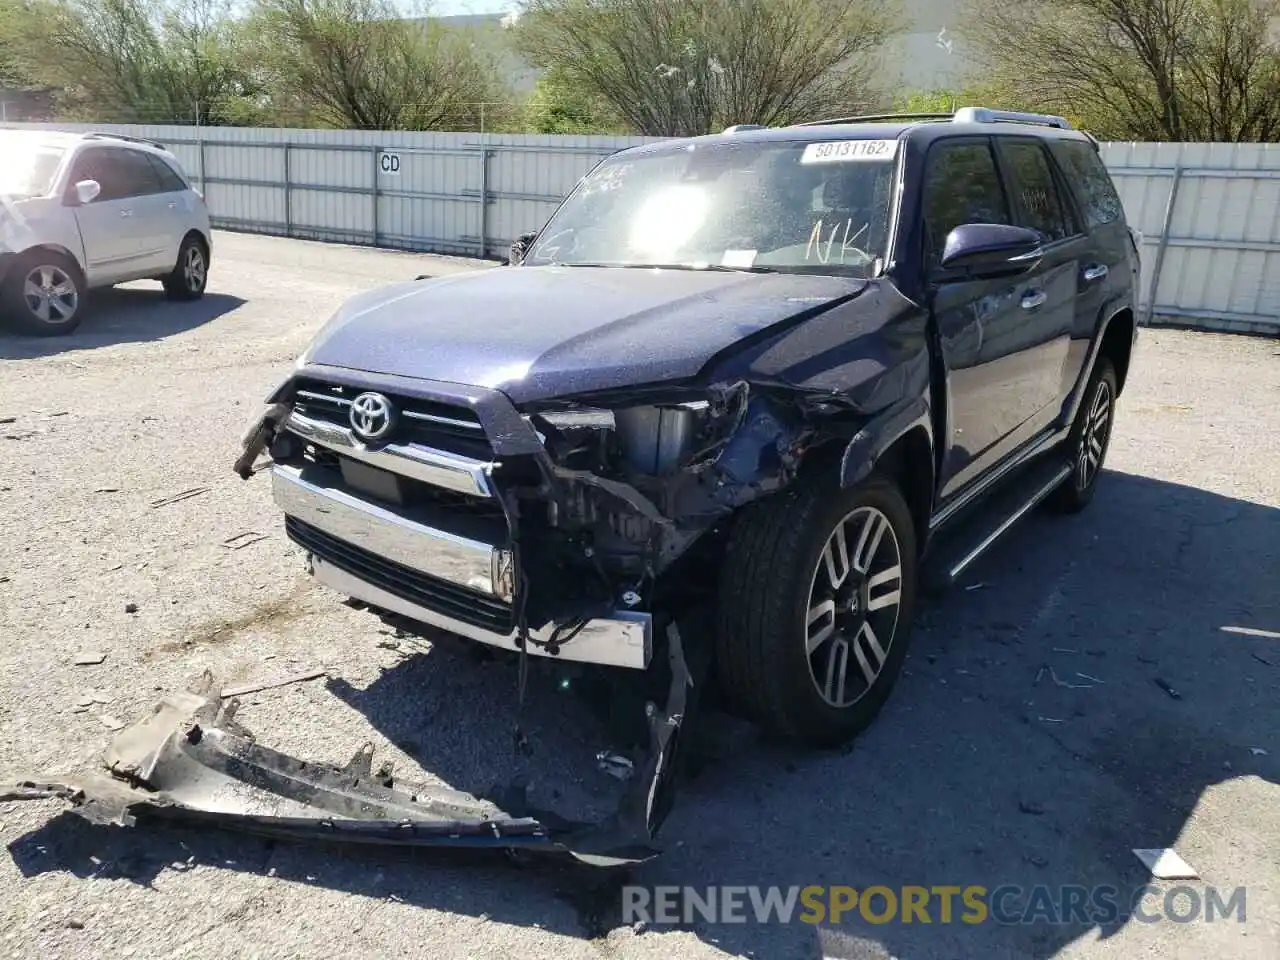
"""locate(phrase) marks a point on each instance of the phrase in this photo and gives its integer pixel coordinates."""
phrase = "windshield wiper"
(709, 267)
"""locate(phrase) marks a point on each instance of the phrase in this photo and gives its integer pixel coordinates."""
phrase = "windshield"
(785, 207)
(28, 169)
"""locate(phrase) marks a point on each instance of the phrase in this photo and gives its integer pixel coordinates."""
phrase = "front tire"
(44, 294)
(816, 602)
(191, 272)
(1089, 440)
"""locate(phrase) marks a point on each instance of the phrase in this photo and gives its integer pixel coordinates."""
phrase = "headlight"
(655, 438)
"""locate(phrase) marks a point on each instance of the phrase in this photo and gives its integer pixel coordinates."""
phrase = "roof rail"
(739, 127)
(121, 136)
(875, 118)
(987, 115)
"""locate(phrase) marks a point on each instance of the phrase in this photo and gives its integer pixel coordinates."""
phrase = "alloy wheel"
(1094, 437)
(193, 268)
(854, 601)
(50, 294)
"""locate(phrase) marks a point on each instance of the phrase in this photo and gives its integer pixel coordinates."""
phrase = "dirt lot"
(982, 770)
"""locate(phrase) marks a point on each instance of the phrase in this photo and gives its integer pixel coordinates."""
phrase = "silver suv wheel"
(51, 294)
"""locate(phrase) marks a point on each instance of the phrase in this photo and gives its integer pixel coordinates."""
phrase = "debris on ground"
(90, 658)
(271, 682)
(1167, 688)
(178, 497)
(107, 490)
(130, 608)
(8, 420)
(1258, 751)
(1165, 864)
(111, 723)
(242, 540)
(615, 765)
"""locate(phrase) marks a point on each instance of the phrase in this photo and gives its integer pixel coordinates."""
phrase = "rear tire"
(191, 272)
(43, 294)
(1089, 440)
(816, 602)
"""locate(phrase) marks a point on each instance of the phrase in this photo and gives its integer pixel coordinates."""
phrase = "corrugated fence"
(1209, 213)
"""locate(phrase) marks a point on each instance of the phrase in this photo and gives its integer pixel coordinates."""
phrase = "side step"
(962, 542)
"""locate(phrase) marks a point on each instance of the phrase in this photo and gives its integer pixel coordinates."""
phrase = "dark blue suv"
(744, 382)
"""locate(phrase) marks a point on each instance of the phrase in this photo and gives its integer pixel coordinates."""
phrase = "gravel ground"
(976, 773)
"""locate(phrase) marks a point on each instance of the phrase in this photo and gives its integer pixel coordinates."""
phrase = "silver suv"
(86, 210)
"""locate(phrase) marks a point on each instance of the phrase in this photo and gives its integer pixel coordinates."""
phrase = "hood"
(540, 332)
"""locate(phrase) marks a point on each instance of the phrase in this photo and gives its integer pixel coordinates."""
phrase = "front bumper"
(444, 570)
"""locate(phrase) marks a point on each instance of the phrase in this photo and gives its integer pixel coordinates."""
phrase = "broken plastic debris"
(90, 658)
(615, 765)
(1165, 864)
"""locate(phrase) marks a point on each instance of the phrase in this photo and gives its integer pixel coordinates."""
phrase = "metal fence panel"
(1209, 213)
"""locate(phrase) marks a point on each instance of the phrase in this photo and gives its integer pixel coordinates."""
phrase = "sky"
(448, 8)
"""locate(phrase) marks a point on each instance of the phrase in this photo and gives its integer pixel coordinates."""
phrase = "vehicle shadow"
(136, 313)
(1073, 699)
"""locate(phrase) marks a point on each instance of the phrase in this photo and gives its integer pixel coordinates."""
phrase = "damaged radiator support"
(191, 762)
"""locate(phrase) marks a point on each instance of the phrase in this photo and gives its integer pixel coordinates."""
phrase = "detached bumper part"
(191, 762)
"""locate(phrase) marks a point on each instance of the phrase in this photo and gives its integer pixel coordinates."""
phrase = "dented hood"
(536, 332)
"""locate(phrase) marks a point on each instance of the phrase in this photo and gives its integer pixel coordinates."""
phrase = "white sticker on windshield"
(738, 259)
(845, 151)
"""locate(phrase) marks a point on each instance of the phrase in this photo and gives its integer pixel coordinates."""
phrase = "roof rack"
(121, 136)
(963, 115)
(987, 115)
(875, 118)
(740, 127)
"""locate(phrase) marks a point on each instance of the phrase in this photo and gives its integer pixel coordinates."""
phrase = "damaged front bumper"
(191, 762)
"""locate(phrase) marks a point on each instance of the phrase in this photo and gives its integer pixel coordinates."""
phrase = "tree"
(356, 63)
(1206, 70)
(557, 105)
(674, 68)
(156, 61)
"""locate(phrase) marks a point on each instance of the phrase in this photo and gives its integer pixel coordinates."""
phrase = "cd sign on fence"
(389, 163)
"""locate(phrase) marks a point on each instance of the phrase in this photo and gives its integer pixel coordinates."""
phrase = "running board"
(959, 548)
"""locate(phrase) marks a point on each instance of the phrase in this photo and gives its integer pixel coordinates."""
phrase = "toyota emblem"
(371, 416)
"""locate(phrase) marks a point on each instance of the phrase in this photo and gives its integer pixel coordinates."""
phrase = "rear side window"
(1090, 182)
(961, 185)
(1040, 205)
(141, 178)
(170, 181)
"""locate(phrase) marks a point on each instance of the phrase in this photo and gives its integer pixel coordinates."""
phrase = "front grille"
(444, 426)
(417, 588)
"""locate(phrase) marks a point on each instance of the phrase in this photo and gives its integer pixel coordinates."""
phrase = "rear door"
(1048, 300)
(179, 204)
(152, 217)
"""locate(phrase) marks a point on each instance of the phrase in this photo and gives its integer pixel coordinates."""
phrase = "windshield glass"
(786, 207)
(28, 168)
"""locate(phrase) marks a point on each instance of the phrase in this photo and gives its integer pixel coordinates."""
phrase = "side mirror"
(87, 191)
(990, 249)
(520, 247)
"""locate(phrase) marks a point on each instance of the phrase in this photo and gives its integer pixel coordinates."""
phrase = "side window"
(170, 182)
(1090, 182)
(1035, 191)
(100, 165)
(140, 177)
(961, 185)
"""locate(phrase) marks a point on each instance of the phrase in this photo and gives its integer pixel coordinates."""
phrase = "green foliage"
(670, 67)
(557, 105)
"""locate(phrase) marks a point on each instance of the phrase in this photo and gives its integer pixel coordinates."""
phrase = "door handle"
(126, 213)
(1030, 300)
(1096, 272)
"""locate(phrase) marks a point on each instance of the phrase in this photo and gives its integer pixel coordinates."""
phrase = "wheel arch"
(38, 248)
(898, 445)
(1117, 343)
(204, 242)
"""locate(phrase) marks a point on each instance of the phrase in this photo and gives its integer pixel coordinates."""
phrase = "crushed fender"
(191, 762)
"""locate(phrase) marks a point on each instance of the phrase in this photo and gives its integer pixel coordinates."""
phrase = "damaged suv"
(756, 372)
